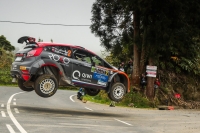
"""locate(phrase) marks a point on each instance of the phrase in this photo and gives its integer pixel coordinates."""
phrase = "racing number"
(69, 52)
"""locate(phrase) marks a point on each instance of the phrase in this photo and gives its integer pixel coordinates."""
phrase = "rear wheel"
(22, 87)
(46, 85)
(117, 92)
(91, 92)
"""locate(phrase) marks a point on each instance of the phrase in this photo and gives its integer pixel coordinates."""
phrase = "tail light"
(35, 52)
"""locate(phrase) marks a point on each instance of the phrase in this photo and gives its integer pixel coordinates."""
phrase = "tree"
(157, 30)
(40, 40)
(6, 59)
(5, 44)
(113, 22)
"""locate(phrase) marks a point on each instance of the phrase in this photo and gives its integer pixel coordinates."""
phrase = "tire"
(92, 92)
(22, 87)
(117, 92)
(46, 85)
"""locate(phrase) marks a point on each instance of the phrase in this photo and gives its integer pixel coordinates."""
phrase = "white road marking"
(123, 122)
(3, 114)
(88, 108)
(2, 105)
(14, 103)
(21, 129)
(10, 128)
(71, 98)
(14, 99)
(16, 110)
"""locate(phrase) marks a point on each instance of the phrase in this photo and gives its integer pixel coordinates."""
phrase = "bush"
(5, 66)
(5, 77)
(131, 99)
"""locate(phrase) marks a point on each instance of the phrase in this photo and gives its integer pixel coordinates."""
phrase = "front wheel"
(22, 87)
(46, 85)
(117, 92)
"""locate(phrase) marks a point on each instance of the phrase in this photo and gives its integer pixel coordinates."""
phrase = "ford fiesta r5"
(43, 67)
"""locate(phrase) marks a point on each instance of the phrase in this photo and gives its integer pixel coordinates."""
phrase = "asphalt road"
(63, 113)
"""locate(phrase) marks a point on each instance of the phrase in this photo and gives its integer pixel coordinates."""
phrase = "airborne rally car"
(44, 67)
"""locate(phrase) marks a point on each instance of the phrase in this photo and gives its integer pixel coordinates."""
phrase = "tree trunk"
(150, 84)
(136, 64)
(142, 57)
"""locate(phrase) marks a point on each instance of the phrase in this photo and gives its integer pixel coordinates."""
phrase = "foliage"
(5, 63)
(5, 44)
(161, 30)
(40, 40)
(153, 31)
(6, 58)
(112, 25)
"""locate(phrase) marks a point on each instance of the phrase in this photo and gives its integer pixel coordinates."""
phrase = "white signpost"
(151, 71)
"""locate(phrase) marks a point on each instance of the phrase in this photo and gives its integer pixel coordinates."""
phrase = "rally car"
(43, 67)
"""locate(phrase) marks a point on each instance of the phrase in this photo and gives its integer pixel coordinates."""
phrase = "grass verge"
(132, 99)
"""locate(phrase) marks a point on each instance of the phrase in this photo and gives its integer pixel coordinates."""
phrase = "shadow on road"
(52, 111)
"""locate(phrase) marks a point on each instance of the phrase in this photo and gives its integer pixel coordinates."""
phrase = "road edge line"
(71, 98)
(21, 129)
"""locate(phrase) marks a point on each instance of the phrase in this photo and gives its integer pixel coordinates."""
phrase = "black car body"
(44, 66)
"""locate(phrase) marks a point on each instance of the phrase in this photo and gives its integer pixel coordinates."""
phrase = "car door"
(81, 70)
(100, 72)
(88, 70)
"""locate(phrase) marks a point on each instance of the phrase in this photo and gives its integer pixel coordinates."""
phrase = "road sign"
(151, 71)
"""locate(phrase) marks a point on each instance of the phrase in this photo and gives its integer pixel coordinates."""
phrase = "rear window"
(31, 46)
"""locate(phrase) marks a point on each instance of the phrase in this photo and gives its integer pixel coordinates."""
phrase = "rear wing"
(27, 39)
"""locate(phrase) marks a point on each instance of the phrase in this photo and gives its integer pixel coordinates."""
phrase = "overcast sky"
(68, 12)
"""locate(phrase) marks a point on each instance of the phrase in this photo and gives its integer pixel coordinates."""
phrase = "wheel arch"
(119, 77)
(37, 66)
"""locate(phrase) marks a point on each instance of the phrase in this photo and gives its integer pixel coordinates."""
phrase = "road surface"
(26, 112)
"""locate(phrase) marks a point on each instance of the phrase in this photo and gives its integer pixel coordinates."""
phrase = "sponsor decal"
(76, 74)
(81, 76)
(100, 70)
(101, 83)
(100, 77)
(62, 59)
(61, 51)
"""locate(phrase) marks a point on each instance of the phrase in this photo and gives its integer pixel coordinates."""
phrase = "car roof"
(44, 44)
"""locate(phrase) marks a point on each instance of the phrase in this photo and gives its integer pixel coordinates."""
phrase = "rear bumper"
(17, 73)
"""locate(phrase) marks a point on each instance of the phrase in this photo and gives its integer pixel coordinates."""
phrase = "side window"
(61, 50)
(81, 55)
(97, 61)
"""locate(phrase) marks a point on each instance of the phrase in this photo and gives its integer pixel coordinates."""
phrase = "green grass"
(131, 99)
(12, 85)
(97, 99)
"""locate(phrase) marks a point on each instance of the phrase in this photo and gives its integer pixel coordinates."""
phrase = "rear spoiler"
(27, 39)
